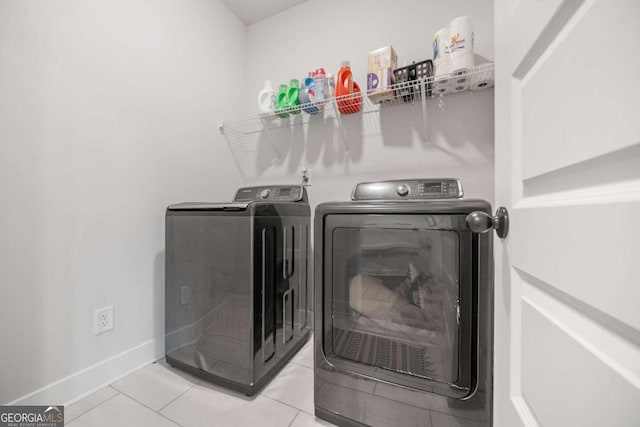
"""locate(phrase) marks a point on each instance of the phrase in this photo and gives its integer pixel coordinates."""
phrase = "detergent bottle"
(320, 82)
(292, 96)
(267, 102)
(348, 96)
(282, 101)
(331, 85)
(306, 95)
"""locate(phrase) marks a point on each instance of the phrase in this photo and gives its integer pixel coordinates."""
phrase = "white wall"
(381, 146)
(107, 115)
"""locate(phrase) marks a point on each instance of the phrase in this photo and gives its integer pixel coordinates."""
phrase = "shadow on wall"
(304, 144)
(446, 124)
(456, 120)
(268, 152)
(353, 136)
(158, 302)
(320, 135)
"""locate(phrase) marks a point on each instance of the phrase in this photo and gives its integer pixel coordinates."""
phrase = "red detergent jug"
(348, 96)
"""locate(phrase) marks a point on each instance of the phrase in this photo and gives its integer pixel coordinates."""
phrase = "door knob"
(481, 222)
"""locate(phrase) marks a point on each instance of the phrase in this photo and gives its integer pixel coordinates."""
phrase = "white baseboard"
(82, 383)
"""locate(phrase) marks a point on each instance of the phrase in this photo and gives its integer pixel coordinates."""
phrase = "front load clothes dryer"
(403, 308)
(237, 291)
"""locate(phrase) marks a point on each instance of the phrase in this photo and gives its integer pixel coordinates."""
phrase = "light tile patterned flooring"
(160, 395)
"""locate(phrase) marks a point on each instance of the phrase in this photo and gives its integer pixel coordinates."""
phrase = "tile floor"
(159, 395)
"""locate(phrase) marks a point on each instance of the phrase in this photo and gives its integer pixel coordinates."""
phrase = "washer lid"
(409, 189)
(203, 206)
(247, 196)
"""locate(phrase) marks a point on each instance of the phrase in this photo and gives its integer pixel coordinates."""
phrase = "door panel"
(567, 326)
(618, 349)
(532, 18)
(599, 396)
(581, 75)
(598, 272)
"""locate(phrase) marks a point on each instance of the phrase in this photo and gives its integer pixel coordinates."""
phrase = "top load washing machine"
(403, 307)
(237, 289)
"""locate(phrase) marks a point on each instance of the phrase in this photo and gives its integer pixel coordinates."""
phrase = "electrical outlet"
(103, 319)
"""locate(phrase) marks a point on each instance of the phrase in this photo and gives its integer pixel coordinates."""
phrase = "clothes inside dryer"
(396, 299)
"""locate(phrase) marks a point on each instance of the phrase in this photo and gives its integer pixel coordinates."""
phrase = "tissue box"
(380, 75)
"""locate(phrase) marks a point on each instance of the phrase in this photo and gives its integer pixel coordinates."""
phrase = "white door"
(567, 322)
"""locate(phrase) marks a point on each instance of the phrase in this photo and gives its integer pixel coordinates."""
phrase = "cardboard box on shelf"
(380, 75)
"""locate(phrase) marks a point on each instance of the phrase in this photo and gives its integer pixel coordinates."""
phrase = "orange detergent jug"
(348, 97)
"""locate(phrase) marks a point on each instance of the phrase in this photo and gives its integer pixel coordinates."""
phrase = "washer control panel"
(283, 193)
(409, 189)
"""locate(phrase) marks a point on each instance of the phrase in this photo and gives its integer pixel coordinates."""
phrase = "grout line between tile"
(97, 406)
(303, 366)
(300, 364)
(176, 398)
(294, 418)
(284, 403)
(151, 409)
(169, 419)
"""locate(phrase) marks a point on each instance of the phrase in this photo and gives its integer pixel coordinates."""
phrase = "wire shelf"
(476, 79)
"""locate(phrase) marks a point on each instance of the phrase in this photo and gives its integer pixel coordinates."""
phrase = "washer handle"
(481, 222)
(268, 342)
(287, 253)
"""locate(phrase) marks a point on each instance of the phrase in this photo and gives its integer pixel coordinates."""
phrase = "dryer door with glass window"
(398, 300)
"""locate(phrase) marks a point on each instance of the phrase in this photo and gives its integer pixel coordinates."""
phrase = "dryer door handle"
(481, 222)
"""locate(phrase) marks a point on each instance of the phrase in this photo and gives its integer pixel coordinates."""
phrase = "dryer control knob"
(402, 190)
(265, 193)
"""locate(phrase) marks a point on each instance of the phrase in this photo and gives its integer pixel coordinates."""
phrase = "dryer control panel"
(280, 193)
(409, 189)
